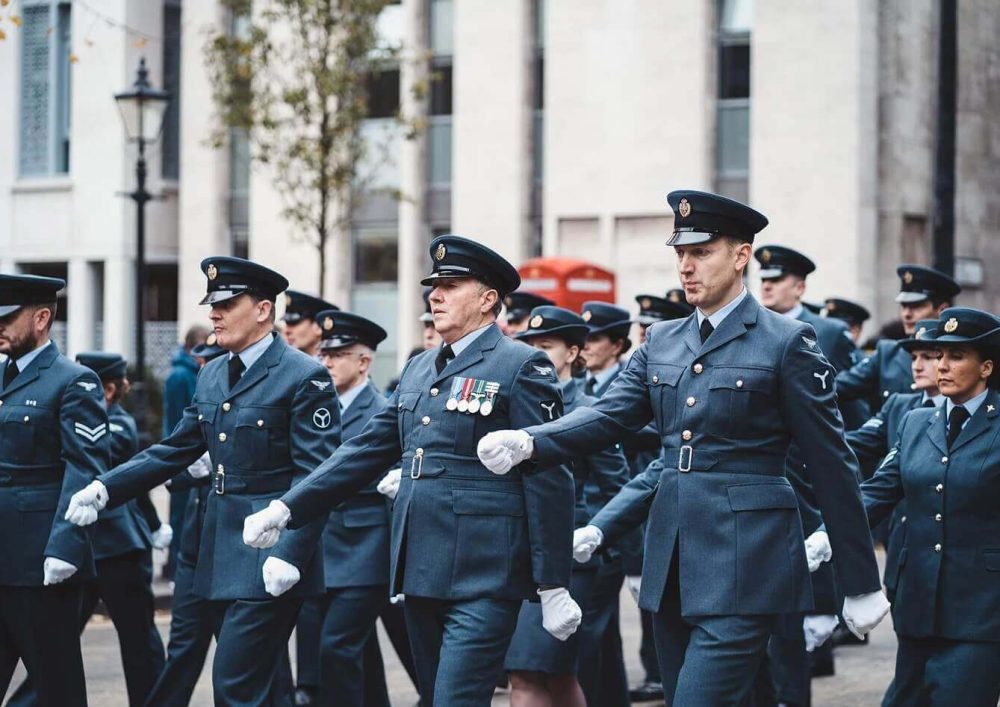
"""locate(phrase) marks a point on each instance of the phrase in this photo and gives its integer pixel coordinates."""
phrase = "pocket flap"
(37, 499)
(206, 412)
(262, 418)
(407, 401)
(760, 497)
(487, 503)
(738, 378)
(663, 373)
(366, 516)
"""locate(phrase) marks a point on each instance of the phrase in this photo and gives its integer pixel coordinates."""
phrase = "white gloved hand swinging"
(586, 540)
(389, 485)
(163, 536)
(817, 629)
(86, 503)
(262, 529)
(201, 467)
(279, 576)
(501, 451)
(561, 615)
(56, 571)
(862, 613)
(818, 550)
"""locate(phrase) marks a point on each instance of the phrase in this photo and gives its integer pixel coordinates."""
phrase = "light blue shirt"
(26, 360)
(351, 395)
(463, 343)
(716, 319)
(936, 399)
(794, 312)
(602, 377)
(970, 405)
(251, 353)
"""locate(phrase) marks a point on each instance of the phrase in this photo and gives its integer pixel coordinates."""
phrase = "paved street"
(862, 672)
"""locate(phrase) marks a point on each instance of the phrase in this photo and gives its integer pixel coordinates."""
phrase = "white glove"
(262, 529)
(585, 541)
(398, 599)
(86, 503)
(56, 570)
(862, 613)
(818, 550)
(389, 485)
(503, 450)
(634, 584)
(162, 536)
(817, 629)
(279, 576)
(560, 614)
(201, 467)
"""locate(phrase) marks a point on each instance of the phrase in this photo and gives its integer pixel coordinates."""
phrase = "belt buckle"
(219, 483)
(681, 466)
(417, 464)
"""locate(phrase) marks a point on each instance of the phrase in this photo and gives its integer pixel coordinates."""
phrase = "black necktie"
(9, 373)
(590, 386)
(956, 419)
(706, 329)
(445, 354)
(928, 404)
(236, 369)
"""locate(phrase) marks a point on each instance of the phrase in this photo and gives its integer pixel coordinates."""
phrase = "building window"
(442, 46)
(45, 88)
(172, 83)
(732, 117)
(375, 254)
(239, 192)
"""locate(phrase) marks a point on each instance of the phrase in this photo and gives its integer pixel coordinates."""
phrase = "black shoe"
(305, 696)
(646, 692)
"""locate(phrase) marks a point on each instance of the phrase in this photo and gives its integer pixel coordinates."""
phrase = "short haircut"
(258, 298)
(53, 307)
(484, 287)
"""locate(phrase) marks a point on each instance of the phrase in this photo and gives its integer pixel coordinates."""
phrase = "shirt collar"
(936, 399)
(795, 312)
(463, 343)
(27, 358)
(602, 377)
(254, 351)
(351, 395)
(717, 317)
(970, 405)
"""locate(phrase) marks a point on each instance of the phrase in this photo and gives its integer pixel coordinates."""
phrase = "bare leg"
(530, 690)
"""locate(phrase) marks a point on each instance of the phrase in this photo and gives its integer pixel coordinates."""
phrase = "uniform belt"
(30, 477)
(689, 458)
(223, 483)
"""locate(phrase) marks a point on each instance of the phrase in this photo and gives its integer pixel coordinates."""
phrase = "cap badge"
(831, 306)
(951, 325)
(684, 208)
(765, 255)
(536, 321)
(440, 252)
(211, 340)
(646, 303)
(920, 333)
(327, 323)
(212, 271)
(907, 277)
(674, 297)
(586, 315)
(509, 302)
(288, 301)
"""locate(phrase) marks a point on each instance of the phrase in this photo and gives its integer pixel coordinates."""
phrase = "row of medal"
(472, 395)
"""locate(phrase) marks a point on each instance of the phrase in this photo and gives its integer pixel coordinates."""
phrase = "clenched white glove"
(503, 450)
(818, 550)
(86, 503)
(862, 613)
(389, 485)
(561, 615)
(279, 576)
(634, 584)
(201, 468)
(398, 599)
(585, 541)
(817, 629)
(56, 571)
(263, 528)
(163, 536)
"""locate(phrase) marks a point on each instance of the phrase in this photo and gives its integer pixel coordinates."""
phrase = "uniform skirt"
(533, 649)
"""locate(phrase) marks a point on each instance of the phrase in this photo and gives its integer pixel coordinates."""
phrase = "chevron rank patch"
(90, 433)
(889, 457)
(873, 424)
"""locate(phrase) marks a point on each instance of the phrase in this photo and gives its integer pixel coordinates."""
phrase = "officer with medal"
(300, 318)
(466, 548)
(518, 306)
(730, 388)
(945, 464)
(267, 415)
(924, 293)
(54, 441)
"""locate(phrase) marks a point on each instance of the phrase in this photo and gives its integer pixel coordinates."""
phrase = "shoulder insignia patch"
(322, 385)
(322, 418)
(821, 377)
(550, 408)
(115, 428)
(811, 343)
(86, 386)
(889, 457)
(542, 371)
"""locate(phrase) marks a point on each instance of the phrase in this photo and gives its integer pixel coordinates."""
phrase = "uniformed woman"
(543, 669)
(946, 465)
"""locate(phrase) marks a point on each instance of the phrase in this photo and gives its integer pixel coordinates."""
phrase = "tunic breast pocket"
(736, 394)
(662, 380)
(406, 404)
(28, 435)
(261, 438)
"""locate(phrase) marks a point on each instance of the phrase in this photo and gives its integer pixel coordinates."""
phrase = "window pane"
(736, 16)
(64, 39)
(539, 24)
(34, 156)
(390, 26)
(442, 28)
(733, 139)
(441, 90)
(383, 94)
(734, 71)
(379, 167)
(172, 83)
(378, 303)
(439, 151)
(375, 255)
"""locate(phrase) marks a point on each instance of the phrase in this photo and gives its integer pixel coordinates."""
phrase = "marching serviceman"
(267, 414)
(730, 388)
(301, 328)
(54, 436)
(466, 550)
(606, 343)
(518, 306)
(543, 670)
(924, 294)
(946, 466)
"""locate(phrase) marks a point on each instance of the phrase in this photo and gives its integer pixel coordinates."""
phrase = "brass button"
(260, 423)
(938, 517)
(739, 384)
(425, 420)
(656, 379)
(937, 547)
(885, 393)
(902, 519)
(222, 436)
(939, 488)
(698, 368)
(690, 401)
(420, 450)
(200, 417)
(434, 392)
(222, 469)
(226, 407)
(686, 435)
(26, 418)
(1, 403)
(944, 460)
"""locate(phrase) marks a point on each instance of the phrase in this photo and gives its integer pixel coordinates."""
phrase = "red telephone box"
(568, 282)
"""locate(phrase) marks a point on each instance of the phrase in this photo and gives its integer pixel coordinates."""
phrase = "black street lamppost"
(142, 109)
